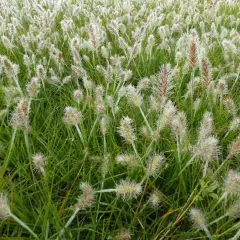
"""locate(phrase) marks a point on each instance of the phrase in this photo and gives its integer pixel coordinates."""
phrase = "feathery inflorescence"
(128, 190)
(5, 211)
(152, 90)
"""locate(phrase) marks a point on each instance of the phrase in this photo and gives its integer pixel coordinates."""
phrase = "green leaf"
(214, 196)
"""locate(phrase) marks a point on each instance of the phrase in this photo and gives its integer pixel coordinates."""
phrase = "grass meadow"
(120, 119)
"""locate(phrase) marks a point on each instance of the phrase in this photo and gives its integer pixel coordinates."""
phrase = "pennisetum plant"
(5, 213)
(230, 186)
(126, 131)
(169, 67)
(72, 117)
(199, 221)
(84, 201)
(19, 121)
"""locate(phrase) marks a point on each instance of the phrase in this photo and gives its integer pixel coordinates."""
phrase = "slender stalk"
(80, 134)
(10, 148)
(100, 195)
(226, 134)
(189, 162)
(94, 125)
(68, 222)
(136, 152)
(221, 103)
(23, 225)
(12, 140)
(205, 168)
(180, 163)
(207, 233)
(106, 190)
(236, 236)
(148, 149)
(220, 200)
(216, 220)
(26, 141)
(179, 152)
(102, 183)
(145, 119)
(18, 86)
(187, 204)
(236, 226)
(71, 218)
(104, 145)
(192, 77)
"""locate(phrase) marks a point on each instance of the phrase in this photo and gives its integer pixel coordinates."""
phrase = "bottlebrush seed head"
(122, 92)
(11, 95)
(105, 165)
(230, 106)
(78, 95)
(144, 131)
(127, 75)
(154, 165)
(10, 69)
(26, 60)
(33, 87)
(179, 124)
(167, 116)
(206, 73)
(5, 211)
(88, 84)
(232, 183)
(100, 106)
(78, 71)
(196, 104)
(126, 130)
(154, 199)
(127, 159)
(234, 210)
(155, 135)
(192, 52)
(99, 100)
(143, 84)
(87, 198)
(123, 235)
(6, 42)
(110, 101)
(192, 86)
(133, 96)
(207, 149)
(163, 89)
(197, 218)
(71, 116)
(76, 57)
(39, 163)
(234, 124)
(222, 87)
(104, 126)
(104, 52)
(154, 103)
(234, 148)
(206, 126)
(99, 92)
(169, 111)
(20, 116)
(128, 190)
(40, 71)
(178, 57)
(96, 35)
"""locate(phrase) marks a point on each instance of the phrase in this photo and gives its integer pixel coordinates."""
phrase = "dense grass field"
(120, 119)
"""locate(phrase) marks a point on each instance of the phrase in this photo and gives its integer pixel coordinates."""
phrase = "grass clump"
(119, 120)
